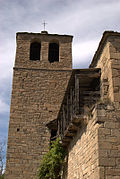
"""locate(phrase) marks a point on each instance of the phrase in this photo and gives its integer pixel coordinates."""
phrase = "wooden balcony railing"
(82, 93)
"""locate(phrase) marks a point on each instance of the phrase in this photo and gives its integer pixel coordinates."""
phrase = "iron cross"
(44, 24)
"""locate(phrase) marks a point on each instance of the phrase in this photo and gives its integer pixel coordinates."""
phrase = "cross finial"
(44, 24)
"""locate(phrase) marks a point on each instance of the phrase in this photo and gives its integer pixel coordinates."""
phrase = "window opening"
(53, 52)
(35, 51)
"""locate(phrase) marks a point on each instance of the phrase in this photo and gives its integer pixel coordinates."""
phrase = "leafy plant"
(52, 162)
(2, 176)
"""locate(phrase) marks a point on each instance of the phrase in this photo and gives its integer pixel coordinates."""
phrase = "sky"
(86, 20)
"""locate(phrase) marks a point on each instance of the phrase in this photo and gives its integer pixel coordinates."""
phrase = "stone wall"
(115, 66)
(109, 62)
(94, 153)
(106, 73)
(109, 134)
(37, 94)
(82, 161)
(109, 141)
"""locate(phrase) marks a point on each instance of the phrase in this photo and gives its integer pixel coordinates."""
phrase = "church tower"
(42, 70)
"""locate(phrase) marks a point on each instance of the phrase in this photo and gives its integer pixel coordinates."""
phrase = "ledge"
(41, 34)
(76, 123)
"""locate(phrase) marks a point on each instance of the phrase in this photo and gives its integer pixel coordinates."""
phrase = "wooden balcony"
(81, 95)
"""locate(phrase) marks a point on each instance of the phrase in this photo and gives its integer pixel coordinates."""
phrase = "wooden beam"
(71, 103)
(77, 94)
(89, 74)
(64, 119)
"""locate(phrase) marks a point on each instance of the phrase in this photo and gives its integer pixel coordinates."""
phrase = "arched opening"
(35, 51)
(53, 52)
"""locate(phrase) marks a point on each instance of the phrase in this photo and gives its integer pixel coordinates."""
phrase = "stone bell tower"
(43, 67)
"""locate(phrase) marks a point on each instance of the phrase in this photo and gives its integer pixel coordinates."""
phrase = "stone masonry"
(44, 92)
(94, 152)
(37, 92)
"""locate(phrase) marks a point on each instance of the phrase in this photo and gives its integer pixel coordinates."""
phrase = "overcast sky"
(86, 20)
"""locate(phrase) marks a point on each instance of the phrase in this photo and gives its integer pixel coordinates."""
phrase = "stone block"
(112, 171)
(107, 162)
(109, 125)
(104, 131)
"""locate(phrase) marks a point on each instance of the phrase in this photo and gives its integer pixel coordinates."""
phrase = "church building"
(49, 98)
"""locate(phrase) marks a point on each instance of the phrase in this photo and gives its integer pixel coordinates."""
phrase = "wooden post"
(77, 94)
(64, 119)
(73, 95)
(71, 103)
(67, 118)
(61, 125)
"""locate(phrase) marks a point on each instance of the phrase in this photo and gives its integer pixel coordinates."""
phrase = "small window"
(53, 52)
(53, 135)
(35, 51)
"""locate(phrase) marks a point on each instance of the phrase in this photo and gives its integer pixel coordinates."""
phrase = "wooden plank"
(58, 127)
(71, 104)
(61, 122)
(64, 119)
(88, 75)
(90, 92)
(73, 94)
(77, 94)
(69, 133)
(72, 127)
(67, 118)
(67, 138)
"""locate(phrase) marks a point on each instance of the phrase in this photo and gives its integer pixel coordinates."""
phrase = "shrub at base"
(52, 162)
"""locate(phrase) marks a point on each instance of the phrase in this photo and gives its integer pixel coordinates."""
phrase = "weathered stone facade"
(37, 92)
(94, 152)
(85, 103)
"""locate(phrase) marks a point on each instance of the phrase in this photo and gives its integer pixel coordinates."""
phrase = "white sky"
(85, 20)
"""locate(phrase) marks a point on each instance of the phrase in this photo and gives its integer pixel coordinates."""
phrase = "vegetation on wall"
(2, 176)
(52, 162)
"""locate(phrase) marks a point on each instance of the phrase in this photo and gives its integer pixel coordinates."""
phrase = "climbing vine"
(52, 162)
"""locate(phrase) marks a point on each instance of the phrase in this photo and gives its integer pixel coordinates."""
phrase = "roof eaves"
(106, 34)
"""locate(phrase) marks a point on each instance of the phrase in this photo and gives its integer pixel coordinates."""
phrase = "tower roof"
(43, 33)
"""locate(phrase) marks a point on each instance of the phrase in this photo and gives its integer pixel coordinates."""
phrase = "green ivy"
(52, 162)
(2, 177)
